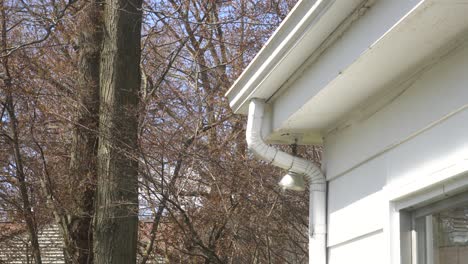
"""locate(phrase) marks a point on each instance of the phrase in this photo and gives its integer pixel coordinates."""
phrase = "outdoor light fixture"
(293, 181)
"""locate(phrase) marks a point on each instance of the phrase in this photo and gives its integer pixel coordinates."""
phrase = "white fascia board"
(304, 30)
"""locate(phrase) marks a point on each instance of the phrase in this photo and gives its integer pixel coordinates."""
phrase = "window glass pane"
(450, 236)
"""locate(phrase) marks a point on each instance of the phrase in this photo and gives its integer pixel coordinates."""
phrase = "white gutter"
(296, 166)
(276, 48)
(302, 36)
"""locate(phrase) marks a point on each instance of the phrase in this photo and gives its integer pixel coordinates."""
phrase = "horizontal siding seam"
(354, 239)
(404, 140)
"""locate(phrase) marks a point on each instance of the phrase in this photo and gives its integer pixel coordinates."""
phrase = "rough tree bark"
(116, 226)
(83, 163)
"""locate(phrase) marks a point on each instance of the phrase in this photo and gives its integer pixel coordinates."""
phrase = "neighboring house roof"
(329, 57)
(16, 248)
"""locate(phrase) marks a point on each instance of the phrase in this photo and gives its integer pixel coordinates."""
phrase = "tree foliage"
(202, 197)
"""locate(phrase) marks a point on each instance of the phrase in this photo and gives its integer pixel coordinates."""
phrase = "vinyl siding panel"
(416, 132)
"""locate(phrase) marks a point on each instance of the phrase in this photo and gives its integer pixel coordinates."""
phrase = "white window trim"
(427, 189)
(424, 214)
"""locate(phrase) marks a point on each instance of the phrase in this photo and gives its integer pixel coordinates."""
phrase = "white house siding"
(362, 250)
(357, 210)
(418, 130)
(435, 94)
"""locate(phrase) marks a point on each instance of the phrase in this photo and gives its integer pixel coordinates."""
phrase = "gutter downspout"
(298, 166)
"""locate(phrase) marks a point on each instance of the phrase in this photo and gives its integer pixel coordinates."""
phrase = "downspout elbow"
(297, 168)
(272, 155)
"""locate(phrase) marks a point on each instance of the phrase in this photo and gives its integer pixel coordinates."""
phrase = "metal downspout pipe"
(297, 166)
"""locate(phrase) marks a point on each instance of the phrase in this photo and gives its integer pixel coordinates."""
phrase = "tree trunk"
(22, 184)
(83, 163)
(27, 211)
(115, 234)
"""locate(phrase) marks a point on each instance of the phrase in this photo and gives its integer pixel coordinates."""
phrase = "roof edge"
(290, 32)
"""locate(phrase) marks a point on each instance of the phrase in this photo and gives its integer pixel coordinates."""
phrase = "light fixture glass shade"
(293, 181)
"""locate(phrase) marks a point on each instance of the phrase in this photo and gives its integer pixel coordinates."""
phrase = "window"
(440, 232)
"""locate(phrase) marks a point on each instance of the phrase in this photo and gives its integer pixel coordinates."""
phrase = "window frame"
(422, 227)
(418, 235)
(422, 199)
